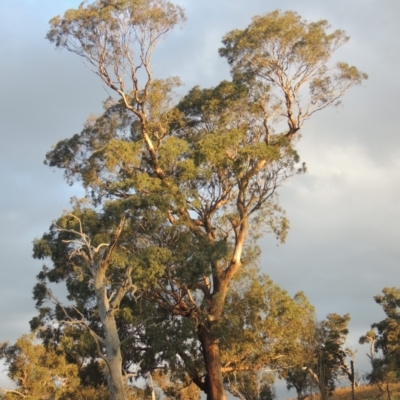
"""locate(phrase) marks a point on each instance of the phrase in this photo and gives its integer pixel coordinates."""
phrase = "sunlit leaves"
(264, 325)
(290, 53)
(119, 34)
(37, 371)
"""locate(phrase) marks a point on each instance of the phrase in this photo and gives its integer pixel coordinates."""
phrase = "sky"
(343, 246)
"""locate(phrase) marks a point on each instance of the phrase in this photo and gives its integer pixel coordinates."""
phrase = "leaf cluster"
(289, 53)
(263, 325)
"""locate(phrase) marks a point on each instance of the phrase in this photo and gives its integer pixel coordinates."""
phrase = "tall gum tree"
(213, 163)
(116, 39)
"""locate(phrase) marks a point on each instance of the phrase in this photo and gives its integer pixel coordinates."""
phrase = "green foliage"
(263, 325)
(331, 335)
(384, 337)
(321, 357)
(70, 265)
(286, 53)
(44, 372)
(251, 385)
(176, 389)
(38, 372)
(103, 31)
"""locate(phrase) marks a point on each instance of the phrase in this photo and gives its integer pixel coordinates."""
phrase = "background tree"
(37, 372)
(170, 387)
(298, 375)
(263, 326)
(253, 385)
(210, 166)
(384, 339)
(300, 379)
(42, 372)
(322, 359)
(331, 354)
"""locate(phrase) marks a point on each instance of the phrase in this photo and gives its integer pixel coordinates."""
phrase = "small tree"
(179, 389)
(91, 262)
(38, 372)
(322, 359)
(263, 326)
(89, 251)
(253, 385)
(384, 337)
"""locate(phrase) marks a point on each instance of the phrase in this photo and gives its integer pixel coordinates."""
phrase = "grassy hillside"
(365, 393)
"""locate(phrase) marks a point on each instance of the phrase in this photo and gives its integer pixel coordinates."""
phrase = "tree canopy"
(289, 55)
(159, 258)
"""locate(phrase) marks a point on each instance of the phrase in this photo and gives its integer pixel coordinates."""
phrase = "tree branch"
(13, 392)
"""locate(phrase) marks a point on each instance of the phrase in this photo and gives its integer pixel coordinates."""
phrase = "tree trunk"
(214, 382)
(112, 342)
(114, 360)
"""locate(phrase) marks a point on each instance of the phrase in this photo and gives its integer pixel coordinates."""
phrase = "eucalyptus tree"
(264, 334)
(263, 325)
(322, 358)
(85, 250)
(383, 339)
(37, 372)
(331, 353)
(208, 167)
(116, 38)
(252, 385)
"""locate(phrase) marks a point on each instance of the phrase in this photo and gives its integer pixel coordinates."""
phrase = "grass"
(364, 393)
(367, 393)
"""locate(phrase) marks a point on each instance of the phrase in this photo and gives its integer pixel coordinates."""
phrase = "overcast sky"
(343, 247)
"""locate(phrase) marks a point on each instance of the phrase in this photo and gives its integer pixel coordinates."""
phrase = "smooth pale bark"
(112, 342)
(106, 306)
